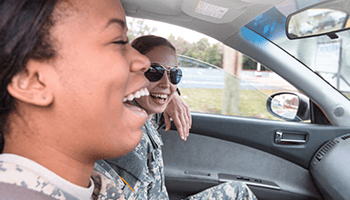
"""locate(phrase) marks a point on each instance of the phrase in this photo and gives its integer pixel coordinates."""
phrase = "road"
(214, 78)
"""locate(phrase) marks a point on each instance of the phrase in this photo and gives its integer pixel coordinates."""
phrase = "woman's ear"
(30, 85)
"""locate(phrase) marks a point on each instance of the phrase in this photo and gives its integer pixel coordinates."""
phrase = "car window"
(211, 83)
(328, 57)
(210, 89)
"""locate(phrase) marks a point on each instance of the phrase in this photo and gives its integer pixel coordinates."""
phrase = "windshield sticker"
(211, 10)
(328, 57)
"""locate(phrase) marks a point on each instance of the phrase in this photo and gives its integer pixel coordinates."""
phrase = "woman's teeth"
(137, 94)
(163, 96)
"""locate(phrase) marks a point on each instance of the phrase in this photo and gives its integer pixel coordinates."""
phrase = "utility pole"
(231, 94)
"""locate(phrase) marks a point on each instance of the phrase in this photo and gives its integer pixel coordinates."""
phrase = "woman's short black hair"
(146, 43)
(24, 34)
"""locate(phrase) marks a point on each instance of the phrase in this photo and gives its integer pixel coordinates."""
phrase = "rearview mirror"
(316, 21)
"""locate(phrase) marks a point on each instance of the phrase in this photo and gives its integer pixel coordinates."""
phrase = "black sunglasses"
(156, 72)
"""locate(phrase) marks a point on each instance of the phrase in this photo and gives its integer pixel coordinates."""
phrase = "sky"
(164, 30)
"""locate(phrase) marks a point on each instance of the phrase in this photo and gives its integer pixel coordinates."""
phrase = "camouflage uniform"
(107, 186)
(229, 191)
(17, 175)
(149, 149)
(151, 183)
(143, 168)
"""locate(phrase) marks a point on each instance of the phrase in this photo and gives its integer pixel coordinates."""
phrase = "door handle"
(290, 138)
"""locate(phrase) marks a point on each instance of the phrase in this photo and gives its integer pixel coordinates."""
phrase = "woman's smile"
(159, 98)
(130, 97)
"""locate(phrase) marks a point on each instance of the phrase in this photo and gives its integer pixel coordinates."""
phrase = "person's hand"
(177, 109)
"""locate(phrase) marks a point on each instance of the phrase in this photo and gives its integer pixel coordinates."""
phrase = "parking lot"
(215, 79)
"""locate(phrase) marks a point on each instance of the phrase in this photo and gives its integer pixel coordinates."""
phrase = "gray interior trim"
(250, 181)
(210, 157)
(260, 134)
(330, 168)
(177, 17)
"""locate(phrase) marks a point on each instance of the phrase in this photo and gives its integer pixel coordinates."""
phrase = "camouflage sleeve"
(14, 192)
(109, 185)
(232, 190)
(20, 176)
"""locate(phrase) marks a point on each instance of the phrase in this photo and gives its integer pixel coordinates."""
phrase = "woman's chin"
(125, 145)
(133, 142)
(133, 119)
(156, 108)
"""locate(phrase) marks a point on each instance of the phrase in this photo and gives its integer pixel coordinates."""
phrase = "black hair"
(146, 43)
(24, 35)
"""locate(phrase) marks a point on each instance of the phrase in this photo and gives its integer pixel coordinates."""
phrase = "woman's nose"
(139, 62)
(165, 80)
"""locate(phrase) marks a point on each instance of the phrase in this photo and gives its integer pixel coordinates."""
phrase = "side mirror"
(316, 21)
(289, 106)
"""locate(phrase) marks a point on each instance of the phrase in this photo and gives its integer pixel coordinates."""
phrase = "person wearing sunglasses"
(143, 168)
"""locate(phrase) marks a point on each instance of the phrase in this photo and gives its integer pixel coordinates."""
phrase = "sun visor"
(271, 2)
(222, 11)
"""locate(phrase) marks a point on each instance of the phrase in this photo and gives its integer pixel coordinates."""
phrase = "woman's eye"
(122, 42)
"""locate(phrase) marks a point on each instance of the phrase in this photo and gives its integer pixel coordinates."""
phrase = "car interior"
(277, 159)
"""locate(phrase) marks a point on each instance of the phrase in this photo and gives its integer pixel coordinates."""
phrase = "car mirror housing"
(289, 106)
(316, 21)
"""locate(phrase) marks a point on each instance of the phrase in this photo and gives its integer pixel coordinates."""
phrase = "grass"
(251, 103)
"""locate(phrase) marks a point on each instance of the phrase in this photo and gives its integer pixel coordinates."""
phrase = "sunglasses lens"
(154, 73)
(175, 75)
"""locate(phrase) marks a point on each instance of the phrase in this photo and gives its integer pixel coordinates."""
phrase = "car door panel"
(204, 158)
(260, 134)
(220, 149)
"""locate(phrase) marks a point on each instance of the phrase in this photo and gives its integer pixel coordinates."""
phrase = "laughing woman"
(144, 168)
(65, 67)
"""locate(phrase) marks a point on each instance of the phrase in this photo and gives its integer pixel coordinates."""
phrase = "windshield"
(326, 57)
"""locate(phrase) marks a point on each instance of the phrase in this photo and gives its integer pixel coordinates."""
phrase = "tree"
(214, 55)
(201, 50)
(198, 50)
(137, 27)
(181, 45)
(250, 64)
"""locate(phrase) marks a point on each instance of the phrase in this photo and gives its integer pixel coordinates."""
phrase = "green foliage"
(201, 50)
(250, 64)
(137, 27)
(181, 45)
(215, 55)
